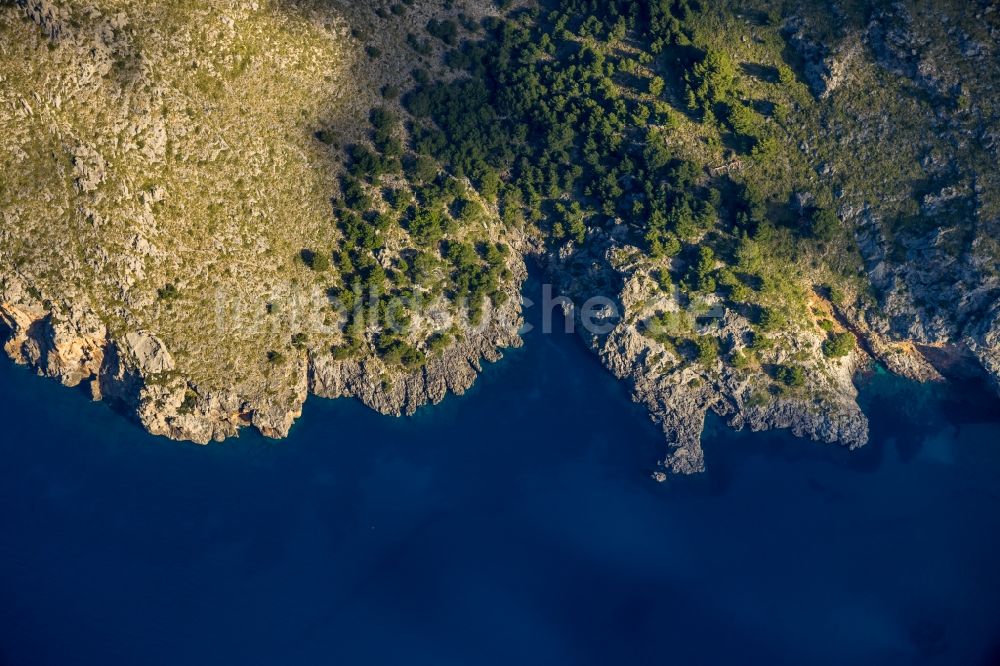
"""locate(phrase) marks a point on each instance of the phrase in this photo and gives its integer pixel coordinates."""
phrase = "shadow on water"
(909, 413)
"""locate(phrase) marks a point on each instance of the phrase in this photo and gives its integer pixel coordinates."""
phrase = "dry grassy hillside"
(161, 164)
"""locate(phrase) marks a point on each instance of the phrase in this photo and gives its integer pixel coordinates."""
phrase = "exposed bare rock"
(67, 345)
(137, 372)
(49, 15)
(161, 410)
(88, 168)
(148, 353)
(395, 392)
(825, 70)
(679, 392)
(932, 306)
(985, 344)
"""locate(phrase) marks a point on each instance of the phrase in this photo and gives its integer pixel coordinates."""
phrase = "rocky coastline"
(136, 372)
(932, 313)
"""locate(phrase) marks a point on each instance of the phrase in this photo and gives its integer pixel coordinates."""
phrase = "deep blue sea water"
(514, 525)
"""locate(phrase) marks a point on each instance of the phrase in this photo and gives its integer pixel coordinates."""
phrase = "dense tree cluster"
(838, 345)
(792, 376)
(561, 118)
(559, 115)
(429, 215)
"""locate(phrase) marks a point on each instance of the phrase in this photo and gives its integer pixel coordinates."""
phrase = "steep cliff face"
(985, 344)
(67, 345)
(929, 240)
